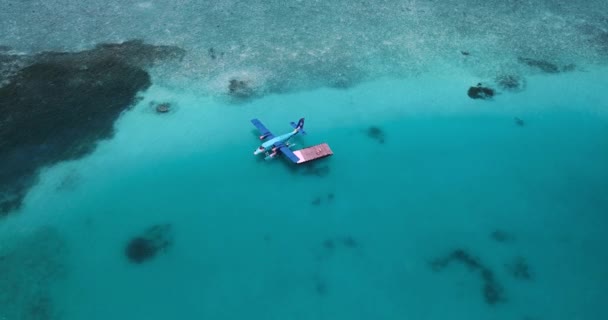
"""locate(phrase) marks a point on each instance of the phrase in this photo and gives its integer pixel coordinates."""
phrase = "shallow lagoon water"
(261, 239)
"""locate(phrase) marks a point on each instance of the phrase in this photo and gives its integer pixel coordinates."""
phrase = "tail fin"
(300, 126)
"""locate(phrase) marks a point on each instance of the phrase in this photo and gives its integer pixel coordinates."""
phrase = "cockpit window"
(261, 148)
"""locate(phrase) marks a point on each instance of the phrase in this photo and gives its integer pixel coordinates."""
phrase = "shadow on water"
(318, 168)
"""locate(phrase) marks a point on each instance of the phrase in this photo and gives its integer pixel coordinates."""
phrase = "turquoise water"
(249, 242)
(359, 235)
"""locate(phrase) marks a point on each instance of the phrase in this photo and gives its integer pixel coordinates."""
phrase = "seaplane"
(272, 144)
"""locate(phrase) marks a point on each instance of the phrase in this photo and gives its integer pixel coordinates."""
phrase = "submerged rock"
(492, 290)
(350, 242)
(466, 259)
(141, 249)
(160, 107)
(145, 246)
(501, 236)
(376, 133)
(240, 88)
(320, 285)
(480, 92)
(72, 101)
(510, 82)
(163, 108)
(214, 54)
(542, 65)
(329, 244)
(519, 269)
(347, 242)
(318, 200)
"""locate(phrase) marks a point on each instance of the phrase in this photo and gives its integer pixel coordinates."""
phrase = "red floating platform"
(313, 153)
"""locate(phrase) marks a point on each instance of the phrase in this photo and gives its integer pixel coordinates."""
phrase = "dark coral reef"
(55, 106)
(149, 243)
(376, 133)
(511, 82)
(345, 242)
(542, 65)
(519, 269)
(320, 199)
(492, 290)
(480, 92)
(502, 236)
(546, 66)
(240, 88)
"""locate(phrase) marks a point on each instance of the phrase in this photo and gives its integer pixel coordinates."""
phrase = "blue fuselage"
(268, 144)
